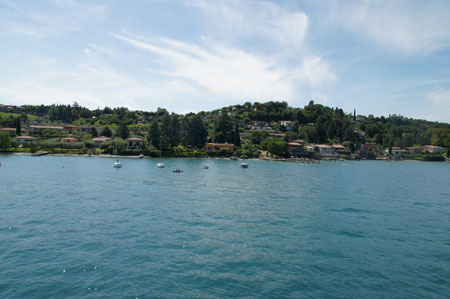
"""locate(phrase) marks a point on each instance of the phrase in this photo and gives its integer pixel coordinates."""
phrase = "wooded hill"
(314, 123)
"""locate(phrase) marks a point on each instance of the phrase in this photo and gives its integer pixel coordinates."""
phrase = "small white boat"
(205, 166)
(117, 164)
(160, 165)
(244, 165)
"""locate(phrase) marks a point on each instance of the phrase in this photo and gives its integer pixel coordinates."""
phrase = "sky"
(378, 57)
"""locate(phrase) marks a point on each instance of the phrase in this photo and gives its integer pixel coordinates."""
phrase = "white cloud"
(440, 96)
(233, 73)
(407, 27)
(244, 19)
(42, 21)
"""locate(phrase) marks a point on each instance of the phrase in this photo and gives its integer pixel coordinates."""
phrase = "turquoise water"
(77, 227)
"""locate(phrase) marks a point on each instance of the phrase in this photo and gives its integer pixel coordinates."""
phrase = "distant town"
(271, 131)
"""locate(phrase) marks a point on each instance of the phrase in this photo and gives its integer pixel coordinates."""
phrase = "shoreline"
(291, 160)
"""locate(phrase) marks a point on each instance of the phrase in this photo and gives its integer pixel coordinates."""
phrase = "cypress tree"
(237, 136)
(18, 127)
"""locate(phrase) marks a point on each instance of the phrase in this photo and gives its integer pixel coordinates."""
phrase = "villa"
(432, 149)
(135, 143)
(10, 131)
(289, 125)
(69, 140)
(99, 140)
(24, 139)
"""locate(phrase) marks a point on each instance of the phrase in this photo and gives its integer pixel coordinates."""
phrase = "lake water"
(77, 227)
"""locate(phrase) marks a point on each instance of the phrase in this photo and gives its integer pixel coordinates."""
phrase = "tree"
(165, 132)
(197, 132)
(123, 131)
(274, 146)
(93, 132)
(257, 136)
(237, 136)
(18, 127)
(174, 130)
(224, 128)
(5, 141)
(106, 131)
(154, 135)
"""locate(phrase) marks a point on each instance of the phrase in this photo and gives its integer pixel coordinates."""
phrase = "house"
(295, 149)
(369, 147)
(396, 151)
(219, 147)
(23, 139)
(432, 149)
(40, 129)
(135, 143)
(360, 119)
(10, 131)
(99, 140)
(289, 125)
(360, 133)
(84, 129)
(70, 128)
(338, 148)
(259, 125)
(413, 149)
(325, 149)
(309, 147)
(69, 140)
(277, 135)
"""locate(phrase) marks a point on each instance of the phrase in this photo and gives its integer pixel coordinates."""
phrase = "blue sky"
(379, 57)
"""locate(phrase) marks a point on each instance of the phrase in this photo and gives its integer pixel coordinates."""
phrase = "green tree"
(106, 131)
(93, 132)
(123, 131)
(174, 130)
(237, 136)
(5, 141)
(153, 136)
(224, 128)
(257, 136)
(165, 131)
(274, 146)
(18, 127)
(197, 133)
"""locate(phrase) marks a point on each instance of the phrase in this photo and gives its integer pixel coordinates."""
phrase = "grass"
(31, 117)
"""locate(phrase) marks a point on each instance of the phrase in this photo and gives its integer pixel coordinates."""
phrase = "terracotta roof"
(7, 129)
(46, 127)
(134, 139)
(221, 144)
(101, 139)
(24, 137)
(338, 146)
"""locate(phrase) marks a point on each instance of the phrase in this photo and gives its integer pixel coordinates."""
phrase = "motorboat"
(117, 164)
(244, 165)
(206, 166)
(160, 165)
(178, 170)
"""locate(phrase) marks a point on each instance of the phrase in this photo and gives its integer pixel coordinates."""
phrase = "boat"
(178, 170)
(243, 164)
(160, 165)
(117, 164)
(205, 166)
